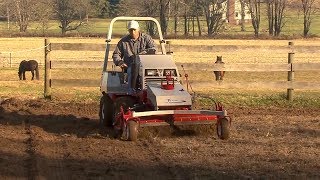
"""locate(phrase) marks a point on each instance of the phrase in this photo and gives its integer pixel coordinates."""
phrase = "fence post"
(10, 61)
(291, 72)
(47, 69)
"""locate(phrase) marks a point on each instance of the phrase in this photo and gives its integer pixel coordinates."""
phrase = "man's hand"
(148, 51)
(143, 52)
(123, 65)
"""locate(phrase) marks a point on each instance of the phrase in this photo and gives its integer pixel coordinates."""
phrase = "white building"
(231, 11)
(233, 14)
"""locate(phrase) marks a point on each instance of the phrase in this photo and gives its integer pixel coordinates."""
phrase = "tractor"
(160, 98)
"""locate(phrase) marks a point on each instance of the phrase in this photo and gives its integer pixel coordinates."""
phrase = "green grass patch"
(12, 87)
(245, 98)
(293, 27)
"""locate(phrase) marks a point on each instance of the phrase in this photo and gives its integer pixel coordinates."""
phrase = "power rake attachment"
(159, 98)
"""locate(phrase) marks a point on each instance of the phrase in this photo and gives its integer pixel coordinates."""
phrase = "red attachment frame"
(168, 86)
(167, 119)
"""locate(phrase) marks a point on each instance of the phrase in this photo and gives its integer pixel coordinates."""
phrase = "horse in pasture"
(30, 65)
(219, 74)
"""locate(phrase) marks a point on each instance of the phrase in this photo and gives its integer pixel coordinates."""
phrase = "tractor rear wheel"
(125, 102)
(223, 128)
(106, 111)
(132, 131)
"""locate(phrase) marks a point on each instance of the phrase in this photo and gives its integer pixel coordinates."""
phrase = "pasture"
(271, 138)
(13, 50)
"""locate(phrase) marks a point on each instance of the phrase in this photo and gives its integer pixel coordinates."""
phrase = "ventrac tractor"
(159, 99)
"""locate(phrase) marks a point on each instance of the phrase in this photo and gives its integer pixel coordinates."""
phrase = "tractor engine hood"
(160, 97)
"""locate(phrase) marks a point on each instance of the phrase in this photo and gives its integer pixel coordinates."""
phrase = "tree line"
(72, 14)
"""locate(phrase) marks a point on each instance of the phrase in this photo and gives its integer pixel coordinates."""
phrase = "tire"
(132, 131)
(125, 102)
(223, 129)
(106, 111)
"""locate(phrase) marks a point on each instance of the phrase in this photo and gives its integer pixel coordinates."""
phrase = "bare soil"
(41, 139)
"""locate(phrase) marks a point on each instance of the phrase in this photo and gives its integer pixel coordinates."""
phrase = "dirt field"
(62, 140)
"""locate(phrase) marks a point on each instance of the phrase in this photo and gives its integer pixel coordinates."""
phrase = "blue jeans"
(129, 75)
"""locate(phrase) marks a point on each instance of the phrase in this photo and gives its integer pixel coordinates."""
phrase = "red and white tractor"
(160, 98)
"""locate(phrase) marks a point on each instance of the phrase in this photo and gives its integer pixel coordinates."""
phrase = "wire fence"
(13, 58)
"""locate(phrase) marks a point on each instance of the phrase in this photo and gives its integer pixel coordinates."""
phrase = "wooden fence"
(289, 67)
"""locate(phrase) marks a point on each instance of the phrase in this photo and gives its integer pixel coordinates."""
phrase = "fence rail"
(289, 67)
(239, 67)
(259, 85)
(75, 82)
(178, 48)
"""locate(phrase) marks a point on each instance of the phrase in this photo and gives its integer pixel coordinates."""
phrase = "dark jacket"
(128, 48)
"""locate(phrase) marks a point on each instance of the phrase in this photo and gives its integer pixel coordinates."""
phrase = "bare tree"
(279, 15)
(195, 11)
(43, 14)
(213, 11)
(70, 13)
(185, 16)
(198, 9)
(148, 8)
(275, 12)
(3, 7)
(129, 8)
(100, 8)
(164, 6)
(308, 9)
(5, 11)
(176, 15)
(243, 14)
(22, 12)
(254, 8)
(270, 14)
(22, 15)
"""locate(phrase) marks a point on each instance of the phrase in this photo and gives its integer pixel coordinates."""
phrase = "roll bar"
(125, 18)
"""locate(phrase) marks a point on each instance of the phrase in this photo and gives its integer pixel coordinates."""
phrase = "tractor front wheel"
(106, 111)
(131, 131)
(223, 128)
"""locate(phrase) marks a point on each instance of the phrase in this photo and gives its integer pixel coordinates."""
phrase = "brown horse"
(30, 65)
(219, 74)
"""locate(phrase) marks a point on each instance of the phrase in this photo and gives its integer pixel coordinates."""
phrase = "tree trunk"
(185, 22)
(243, 15)
(307, 7)
(270, 10)
(279, 15)
(163, 20)
(254, 6)
(199, 26)
(176, 8)
(22, 14)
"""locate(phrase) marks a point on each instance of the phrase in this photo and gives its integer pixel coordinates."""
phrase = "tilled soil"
(42, 139)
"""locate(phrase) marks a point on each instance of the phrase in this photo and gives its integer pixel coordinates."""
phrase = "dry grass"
(303, 42)
(32, 48)
(16, 49)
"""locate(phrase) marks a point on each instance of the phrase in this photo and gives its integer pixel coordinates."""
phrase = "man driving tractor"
(128, 48)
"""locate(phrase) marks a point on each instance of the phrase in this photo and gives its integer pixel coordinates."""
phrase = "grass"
(15, 49)
(253, 98)
(229, 97)
(32, 48)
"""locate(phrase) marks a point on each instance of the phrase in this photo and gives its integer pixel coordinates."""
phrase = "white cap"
(133, 25)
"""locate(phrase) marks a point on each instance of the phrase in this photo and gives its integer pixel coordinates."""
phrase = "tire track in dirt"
(31, 161)
(155, 152)
(62, 170)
